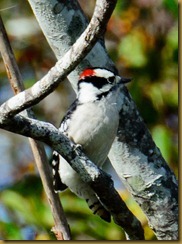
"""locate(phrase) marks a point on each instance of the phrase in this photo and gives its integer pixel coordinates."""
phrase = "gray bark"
(140, 164)
(62, 22)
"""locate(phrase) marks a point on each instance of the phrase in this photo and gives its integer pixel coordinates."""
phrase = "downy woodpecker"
(92, 122)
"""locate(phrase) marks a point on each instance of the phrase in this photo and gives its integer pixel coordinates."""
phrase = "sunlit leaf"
(10, 231)
(131, 50)
(172, 6)
(172, 37)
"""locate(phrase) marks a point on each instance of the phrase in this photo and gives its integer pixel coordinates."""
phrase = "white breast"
(94, 126)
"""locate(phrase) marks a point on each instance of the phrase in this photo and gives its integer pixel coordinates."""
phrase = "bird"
(91, 122)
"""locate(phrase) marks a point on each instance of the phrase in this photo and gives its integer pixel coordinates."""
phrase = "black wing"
(57, 183)
(66, 119)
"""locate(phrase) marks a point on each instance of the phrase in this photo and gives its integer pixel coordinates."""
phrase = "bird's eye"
(111, 79)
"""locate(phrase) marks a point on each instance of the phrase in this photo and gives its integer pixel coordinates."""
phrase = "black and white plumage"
(91, 122)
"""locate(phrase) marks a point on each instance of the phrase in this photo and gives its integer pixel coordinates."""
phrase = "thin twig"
(61, 226)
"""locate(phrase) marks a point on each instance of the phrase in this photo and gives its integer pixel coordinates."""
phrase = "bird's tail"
(97, 208)
(64, 176)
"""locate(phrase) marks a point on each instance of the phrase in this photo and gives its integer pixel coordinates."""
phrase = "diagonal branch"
(98, 180)
(65, 65)
(61, 226)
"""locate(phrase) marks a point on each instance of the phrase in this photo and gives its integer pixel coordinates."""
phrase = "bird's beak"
(122, 80)
(125, 80)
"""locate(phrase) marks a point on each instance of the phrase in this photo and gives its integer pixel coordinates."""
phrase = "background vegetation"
(142, 39)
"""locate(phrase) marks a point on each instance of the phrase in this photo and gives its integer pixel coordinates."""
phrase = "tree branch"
(140, 164)
(65, 65)
(98, 180)
(65, 19)
(61, 227)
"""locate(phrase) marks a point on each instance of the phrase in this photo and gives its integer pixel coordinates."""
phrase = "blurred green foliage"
(142, 39)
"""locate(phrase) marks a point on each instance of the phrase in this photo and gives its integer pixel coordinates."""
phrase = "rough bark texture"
(140, 164)
(62, 22)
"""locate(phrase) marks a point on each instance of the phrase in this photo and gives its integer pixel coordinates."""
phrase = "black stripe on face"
(104, 94)
(98, 82)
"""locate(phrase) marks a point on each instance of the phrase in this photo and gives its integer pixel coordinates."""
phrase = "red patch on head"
(86, 73)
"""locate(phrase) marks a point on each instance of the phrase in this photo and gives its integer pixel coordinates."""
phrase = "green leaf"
(172, 6)
(132, 51)
(172, 37)
(32, 209)
(10, 231)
